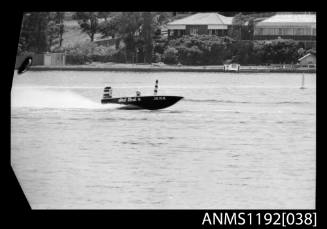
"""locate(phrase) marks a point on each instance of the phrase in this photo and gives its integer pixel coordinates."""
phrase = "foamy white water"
(235, 141)
(49, 98)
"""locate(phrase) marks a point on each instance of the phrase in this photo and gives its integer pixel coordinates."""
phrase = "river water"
(234, 141)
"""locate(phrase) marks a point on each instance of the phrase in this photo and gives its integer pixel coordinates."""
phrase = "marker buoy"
(156, 88)
(302, 85)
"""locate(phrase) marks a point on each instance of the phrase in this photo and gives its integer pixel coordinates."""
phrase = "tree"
(147, 36)
(41, 31)
(136, 29)
(52, 34)
(128, 28)
(243, 24)
(237, 28)
(33, 35)
(88, 22)
(170, 56)
(60, 23)
(104, 15)
(55, 29)
(110, 27)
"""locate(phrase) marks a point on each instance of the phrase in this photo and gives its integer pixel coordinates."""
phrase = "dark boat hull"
(144, 102)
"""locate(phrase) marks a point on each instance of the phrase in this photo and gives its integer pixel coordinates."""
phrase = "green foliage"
(129, 30)
(137, 30)
(41, 31)
(52, 34)
(125, 26)
(242, 51)
(157, 57)
(76, 59)
(235, 32)
(243, 24)
(159, 48)
(109, 27)
(280, 51)
(170, 56)
(59, 19)
(90, 52)
(33, 36)
(104, 15)
(312, 51)
(212, 50)
(189, 55)
(197, 50)
(202, 50)
(160, 18)
(88, 22)
(147, 36)
(301, 52)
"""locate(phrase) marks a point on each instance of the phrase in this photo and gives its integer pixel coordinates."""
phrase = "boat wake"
(247, 102)
(47, 98)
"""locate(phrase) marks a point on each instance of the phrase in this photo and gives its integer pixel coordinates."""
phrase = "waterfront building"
(200, 23)
(287, 26)
(307, 60)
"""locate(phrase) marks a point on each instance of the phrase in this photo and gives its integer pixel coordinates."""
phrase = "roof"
(289, 19)
(204, 19)
(305, 56)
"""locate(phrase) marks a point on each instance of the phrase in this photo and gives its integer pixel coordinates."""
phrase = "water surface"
(234, 141)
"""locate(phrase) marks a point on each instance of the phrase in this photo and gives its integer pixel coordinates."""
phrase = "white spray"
(47, 98)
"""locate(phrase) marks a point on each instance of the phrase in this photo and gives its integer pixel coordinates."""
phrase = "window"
(265, 31)
(299, 31)
(307, 31)
(280, 31)
(193, 31)
(288, 31)
(217, 32)
(258, 31)
(275, 31)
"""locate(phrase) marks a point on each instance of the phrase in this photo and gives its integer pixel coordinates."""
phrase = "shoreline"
(169, 68)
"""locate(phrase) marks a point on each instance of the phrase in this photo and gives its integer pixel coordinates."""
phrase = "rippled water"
(234, 141)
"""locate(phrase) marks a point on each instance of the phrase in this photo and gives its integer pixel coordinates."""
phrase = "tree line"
(212, 50)
(137, 39)
(42, 31)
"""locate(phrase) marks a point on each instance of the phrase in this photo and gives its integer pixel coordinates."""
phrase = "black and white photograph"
(165, 110)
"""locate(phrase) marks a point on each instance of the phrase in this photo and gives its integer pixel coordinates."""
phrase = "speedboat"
(154, 102)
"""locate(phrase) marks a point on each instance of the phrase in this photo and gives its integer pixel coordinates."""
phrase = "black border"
(15, 199)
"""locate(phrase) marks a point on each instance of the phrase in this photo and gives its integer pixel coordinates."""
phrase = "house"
(308, 60)
(287, 26)
(200, 23)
